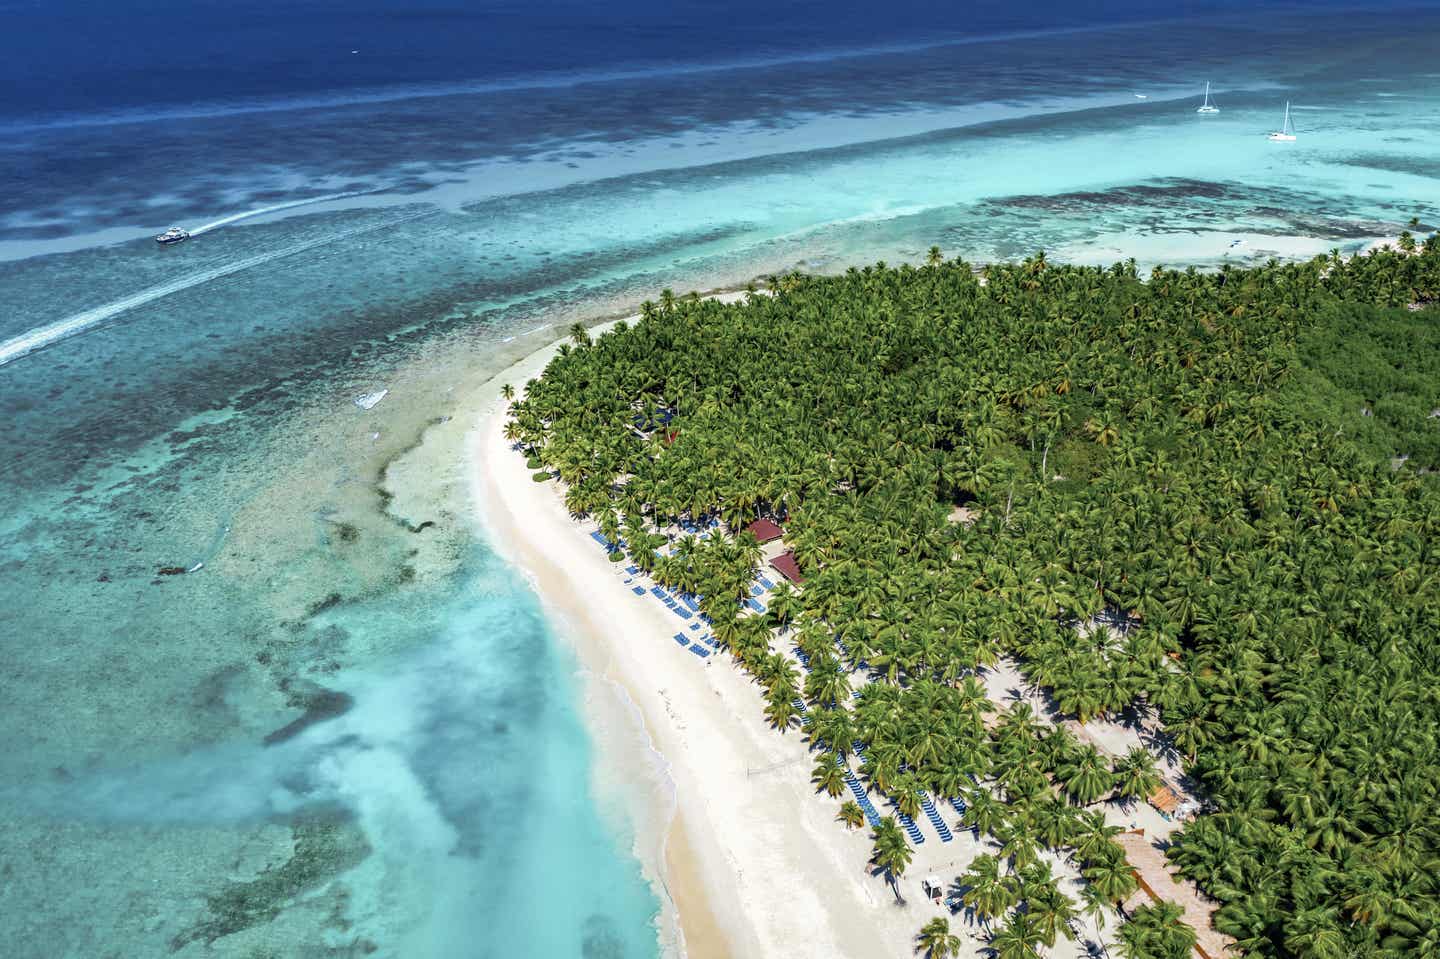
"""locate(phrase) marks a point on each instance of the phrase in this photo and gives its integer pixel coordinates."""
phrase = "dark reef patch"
(319, 704)
(325, 845)
(599, 939)
(1415, 164)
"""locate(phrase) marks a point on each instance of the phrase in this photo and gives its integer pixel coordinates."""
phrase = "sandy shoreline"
(752, 864)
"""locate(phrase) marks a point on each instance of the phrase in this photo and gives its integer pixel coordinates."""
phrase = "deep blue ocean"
(79, 59)
(352, 730)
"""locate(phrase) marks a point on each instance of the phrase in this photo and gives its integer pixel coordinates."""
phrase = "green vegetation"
(1181, 512)
(937, 941)
(1159, 932)
(1375, 373)
(892, 854)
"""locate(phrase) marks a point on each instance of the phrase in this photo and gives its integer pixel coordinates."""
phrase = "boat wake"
(41, 337)
(232, 218)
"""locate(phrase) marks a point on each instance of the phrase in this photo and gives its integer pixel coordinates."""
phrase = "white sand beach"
(753, 861)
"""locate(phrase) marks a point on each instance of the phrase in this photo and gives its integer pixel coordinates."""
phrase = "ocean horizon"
(272, 691)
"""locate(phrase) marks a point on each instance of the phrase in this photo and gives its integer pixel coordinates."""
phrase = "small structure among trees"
(785, 565)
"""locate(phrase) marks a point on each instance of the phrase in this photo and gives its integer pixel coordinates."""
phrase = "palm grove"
(1188, 457)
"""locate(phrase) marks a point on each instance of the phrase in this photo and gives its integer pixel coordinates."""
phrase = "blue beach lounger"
(700, 651)
(933, 815)
(638, 590)
(680, 638)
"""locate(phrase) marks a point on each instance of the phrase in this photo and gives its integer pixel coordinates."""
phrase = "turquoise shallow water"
(200, 410)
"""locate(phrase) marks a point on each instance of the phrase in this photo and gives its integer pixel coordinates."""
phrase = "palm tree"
(829, 775)
(1095, 905)
(1053, 912)
(988, 891)
(908, 794)
(1019, 841)
(1113, 878)
(937, 941)
(784, 603)
(1056, 823)
(507, 391)
(983, 812)
(851, 814)
(1017, 939)
(1135, 774)
(891, 853)
(1085, 777)
(1093, 834)
(1157, 932)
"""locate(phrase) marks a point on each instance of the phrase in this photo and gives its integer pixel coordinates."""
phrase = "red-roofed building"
(764, 531)
(785, 565)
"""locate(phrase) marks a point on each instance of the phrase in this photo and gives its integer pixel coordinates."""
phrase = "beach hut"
(933, 887)
(785, 565)
(765, 531)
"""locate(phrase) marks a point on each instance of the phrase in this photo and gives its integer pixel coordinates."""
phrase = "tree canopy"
(1180, 463)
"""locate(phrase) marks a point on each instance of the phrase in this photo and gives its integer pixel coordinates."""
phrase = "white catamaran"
(1207, 106)
(1285, 134)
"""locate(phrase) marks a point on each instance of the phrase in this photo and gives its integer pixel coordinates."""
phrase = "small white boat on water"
(1207, 106)
(1285, 134)
(172, 235)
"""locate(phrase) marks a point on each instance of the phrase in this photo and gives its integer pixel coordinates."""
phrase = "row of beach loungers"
(686, 607)
(906, 823)
(700, 647)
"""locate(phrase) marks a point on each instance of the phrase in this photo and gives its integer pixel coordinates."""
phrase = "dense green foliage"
(1156, 932)
(1375, 373)
(1175, 457)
